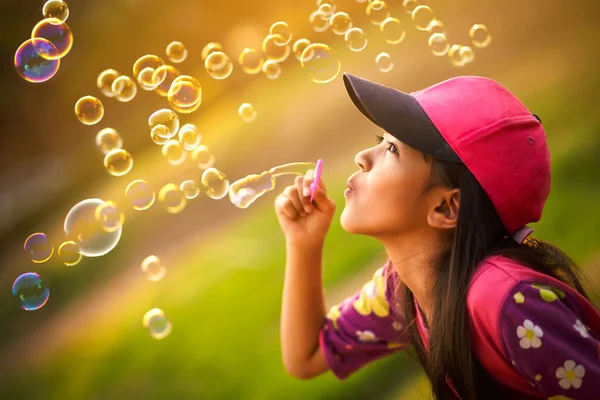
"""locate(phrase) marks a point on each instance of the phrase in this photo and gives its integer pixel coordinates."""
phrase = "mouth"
(349, 190)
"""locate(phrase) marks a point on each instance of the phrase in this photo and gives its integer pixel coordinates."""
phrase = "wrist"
(309, 244)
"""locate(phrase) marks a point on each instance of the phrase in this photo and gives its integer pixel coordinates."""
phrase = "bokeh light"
(31, 291)
(30, 64)
(38, 247)
(118, 162)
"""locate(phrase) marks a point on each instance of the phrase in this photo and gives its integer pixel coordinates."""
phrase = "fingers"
(305, 200)
(309, 178)
(323, 203)
(289, 203)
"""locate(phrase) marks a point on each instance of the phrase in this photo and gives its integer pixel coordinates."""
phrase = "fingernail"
(306, 191)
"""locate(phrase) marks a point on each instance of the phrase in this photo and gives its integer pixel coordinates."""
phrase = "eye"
(391, 145)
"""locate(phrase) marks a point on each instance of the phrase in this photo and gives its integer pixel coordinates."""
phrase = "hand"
(301, 220)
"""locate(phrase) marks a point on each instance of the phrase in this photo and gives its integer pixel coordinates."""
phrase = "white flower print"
(570, 375)
(581, 328)
(397, 326)
(366, 336)
(530, 335)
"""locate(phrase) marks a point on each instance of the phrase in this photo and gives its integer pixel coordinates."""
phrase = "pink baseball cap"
(474, 121)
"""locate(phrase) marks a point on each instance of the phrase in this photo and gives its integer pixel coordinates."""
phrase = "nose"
(362, 160)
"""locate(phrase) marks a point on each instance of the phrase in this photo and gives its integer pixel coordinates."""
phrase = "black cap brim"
(400, 115)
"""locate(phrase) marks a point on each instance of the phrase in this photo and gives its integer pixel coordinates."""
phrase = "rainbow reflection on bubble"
(31, 65)
(31, 291)
(38, 247)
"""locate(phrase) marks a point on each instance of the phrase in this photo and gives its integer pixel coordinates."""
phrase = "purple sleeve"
(362, 328)
(548, 342)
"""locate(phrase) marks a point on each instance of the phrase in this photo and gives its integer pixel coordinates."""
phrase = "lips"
(350, 188)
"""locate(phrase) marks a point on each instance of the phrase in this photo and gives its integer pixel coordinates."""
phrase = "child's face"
(388, 194)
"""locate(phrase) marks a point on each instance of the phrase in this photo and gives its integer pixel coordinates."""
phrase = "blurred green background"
(225, 266)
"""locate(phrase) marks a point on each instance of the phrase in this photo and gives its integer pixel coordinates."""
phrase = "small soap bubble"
(89, 110)
(209, 48)
(56, 9)
(216, 183)
(108, 139)
(340, 23)
(31, 291)
(32, 60)
(454, 55)
(299, 46)
(392, 30)
(153, 268)
(410, 5)
(58, 33)
(109, 216)
(139, 193)
(356, 39)
(282, 31)
(203, 157)
(173, 198)
(422, 17)
(384, 62)
(467, 54)
(144, 79)
(176, 52)
(325, 10)
(438, 42)
(321, 62)
(480, 36)
(124, 88)
(271, 69)
(105, 81)
(218, 65)
(273, 51)
(168, 119)
(69, 254)
(147, 61)
(159, 134)
(118, 162)
(330, 2)
(247, 112)
(185, 94)
(174, 152)
(250, 61)
(190, 189)
(164, 77)
(38, 247)
(436, 26)
(157, 323)
(87, 232)
(318, 23)
(189, 136)
(377, 11)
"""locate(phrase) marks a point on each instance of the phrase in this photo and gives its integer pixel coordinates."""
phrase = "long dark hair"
(479, 233)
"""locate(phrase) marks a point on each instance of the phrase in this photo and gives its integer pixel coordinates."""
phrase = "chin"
(350, 224)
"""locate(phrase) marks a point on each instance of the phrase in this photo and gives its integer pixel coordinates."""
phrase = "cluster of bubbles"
(38, 58)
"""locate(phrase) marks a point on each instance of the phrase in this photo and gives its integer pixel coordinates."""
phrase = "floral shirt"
(537, 336)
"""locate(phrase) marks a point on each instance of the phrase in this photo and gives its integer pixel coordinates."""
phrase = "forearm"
(303, 309)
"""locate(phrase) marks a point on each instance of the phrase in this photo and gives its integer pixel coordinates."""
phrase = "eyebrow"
(399, 144)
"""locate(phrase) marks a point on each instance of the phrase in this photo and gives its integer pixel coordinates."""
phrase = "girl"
(461, 169)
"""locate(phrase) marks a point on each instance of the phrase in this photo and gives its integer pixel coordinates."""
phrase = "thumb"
(322, 202)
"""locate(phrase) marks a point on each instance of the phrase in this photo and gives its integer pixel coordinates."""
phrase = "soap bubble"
(164, 75)
(203, 157)
(174, 152)
(145, 79)
(173, 198)
(384, 62)
(480, 36)
(209, 48)
(325, 10)
(455, 56)
(68, 252)
(340, 23)
(153, 268)
(436, 26)
(250, 61)
(216, 183)
(38, 247)
(31, 291)
(159, 134)
(467, 54)
(189, 136)
(392, 30)
(118, 162)
(185, 93)
(283, 31)
(105, 81)
(318, 23)
(377, 11)
(156, 322)
(299, 46)
(58, 33)
(176, 52)
(422, 16)
(140, 194)
(89, 110)
(439, 44)
(247, 112)
(273, 51)
(87, 232)
(410, 5)
(147, 61)
(190, 189)
(168, 119)
(356, 40)
(218, 65)
(31, 65)
(109, 216)
(108, 139)
(56, 9)
(321, 62)
(245, 191)
(124, 88)
(271, 69)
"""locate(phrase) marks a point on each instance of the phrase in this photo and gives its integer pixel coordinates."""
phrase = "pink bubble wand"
(315, 185)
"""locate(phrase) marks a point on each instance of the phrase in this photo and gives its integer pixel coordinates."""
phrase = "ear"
(444, 214)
